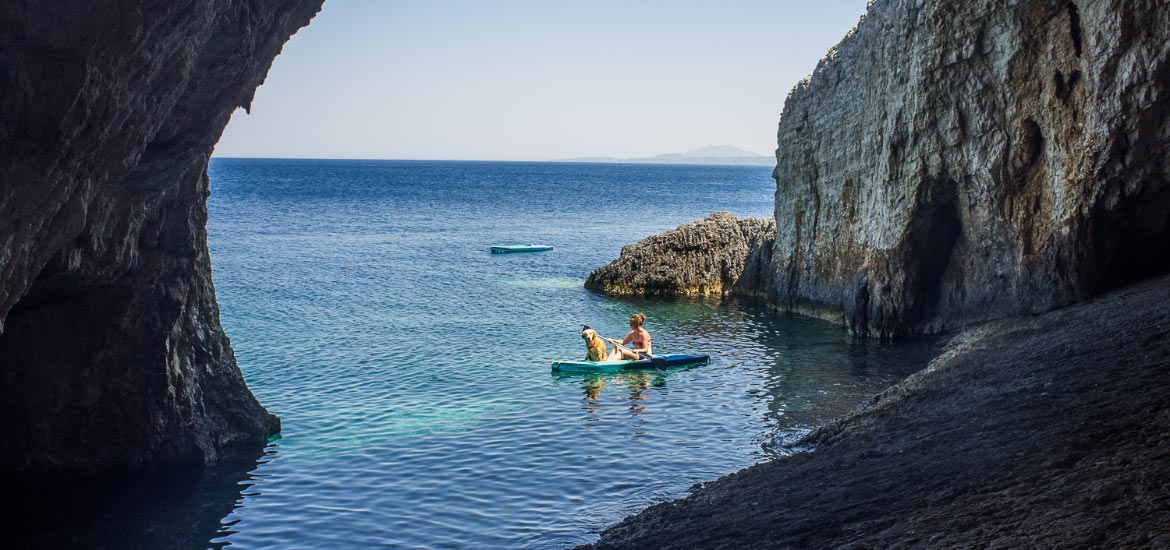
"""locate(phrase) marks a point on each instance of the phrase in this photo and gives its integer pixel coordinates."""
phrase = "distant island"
(711, 154)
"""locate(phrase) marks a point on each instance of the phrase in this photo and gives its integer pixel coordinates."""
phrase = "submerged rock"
(111, 351)
(954, 162)
(712, 257)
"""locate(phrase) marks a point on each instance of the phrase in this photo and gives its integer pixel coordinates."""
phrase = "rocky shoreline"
(1048, 431)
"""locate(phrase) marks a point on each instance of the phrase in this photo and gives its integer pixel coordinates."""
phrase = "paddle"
(658, 362)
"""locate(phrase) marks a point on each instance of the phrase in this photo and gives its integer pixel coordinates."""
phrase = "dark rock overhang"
(111, 351)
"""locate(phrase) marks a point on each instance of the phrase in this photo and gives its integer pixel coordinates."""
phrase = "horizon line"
(550, 161)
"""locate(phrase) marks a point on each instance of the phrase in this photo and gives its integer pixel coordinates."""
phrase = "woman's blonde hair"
(638, 319)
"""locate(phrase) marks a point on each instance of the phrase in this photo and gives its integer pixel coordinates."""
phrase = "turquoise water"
(411, 368)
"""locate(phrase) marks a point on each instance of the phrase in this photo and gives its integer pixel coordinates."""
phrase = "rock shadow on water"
(178, 509)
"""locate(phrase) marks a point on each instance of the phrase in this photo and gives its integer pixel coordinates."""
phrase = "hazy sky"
(535, 80)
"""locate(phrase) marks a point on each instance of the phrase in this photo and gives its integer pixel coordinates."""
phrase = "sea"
(411, 367)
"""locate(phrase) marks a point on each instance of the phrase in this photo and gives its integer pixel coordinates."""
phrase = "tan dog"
(594, 344)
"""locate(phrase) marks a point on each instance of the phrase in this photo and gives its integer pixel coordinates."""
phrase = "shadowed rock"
(111, 351)
(712, 257)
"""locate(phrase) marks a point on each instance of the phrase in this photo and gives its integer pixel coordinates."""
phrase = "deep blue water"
(410, 367)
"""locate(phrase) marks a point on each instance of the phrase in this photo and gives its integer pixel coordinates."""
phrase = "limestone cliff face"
(111, 351)
(712, 257)
(952, 162)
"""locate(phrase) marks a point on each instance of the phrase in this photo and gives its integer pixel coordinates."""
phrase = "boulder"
(712, 257)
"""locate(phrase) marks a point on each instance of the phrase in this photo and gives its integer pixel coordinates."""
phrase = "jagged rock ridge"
(712, 257)
(111, 351)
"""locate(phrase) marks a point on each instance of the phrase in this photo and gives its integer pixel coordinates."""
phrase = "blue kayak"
(506, 248)
(614, 366)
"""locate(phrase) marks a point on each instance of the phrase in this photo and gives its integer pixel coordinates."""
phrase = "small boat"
(505, 248)
(614, 366)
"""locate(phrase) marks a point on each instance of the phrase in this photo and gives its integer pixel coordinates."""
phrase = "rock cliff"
(953, 162)
(716, 256)
(111, 351)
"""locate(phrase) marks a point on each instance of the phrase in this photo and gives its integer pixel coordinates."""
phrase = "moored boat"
(506, 248)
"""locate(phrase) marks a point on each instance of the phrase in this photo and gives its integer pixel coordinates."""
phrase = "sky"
(535, 80)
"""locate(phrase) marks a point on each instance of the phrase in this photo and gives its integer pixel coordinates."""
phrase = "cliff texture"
(111, 351)
(1040, 432)
(712, 257)
(953, 162)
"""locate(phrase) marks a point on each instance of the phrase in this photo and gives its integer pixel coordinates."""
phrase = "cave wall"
(953, 162)
(111, 351)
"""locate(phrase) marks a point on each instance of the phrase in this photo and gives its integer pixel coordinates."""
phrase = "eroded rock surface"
(1038, 432)
(111, 351)
(953, 162)
(712, 257)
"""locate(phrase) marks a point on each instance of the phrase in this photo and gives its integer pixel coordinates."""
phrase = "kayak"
(505, 248)
(614, 366)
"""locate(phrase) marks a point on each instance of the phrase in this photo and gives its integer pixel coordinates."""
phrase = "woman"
(638, 339)
(596, 348)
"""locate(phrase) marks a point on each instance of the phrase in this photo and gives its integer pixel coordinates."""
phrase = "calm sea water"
(410, 367)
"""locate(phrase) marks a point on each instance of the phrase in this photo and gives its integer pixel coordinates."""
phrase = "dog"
(594, 344)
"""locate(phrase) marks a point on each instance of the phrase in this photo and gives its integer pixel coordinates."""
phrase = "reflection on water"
(182, 509)
(632, 386)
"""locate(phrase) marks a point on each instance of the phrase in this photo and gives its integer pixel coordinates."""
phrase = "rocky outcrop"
(111, 351)
(954, 162)
(712, 257)
(1037, 432)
